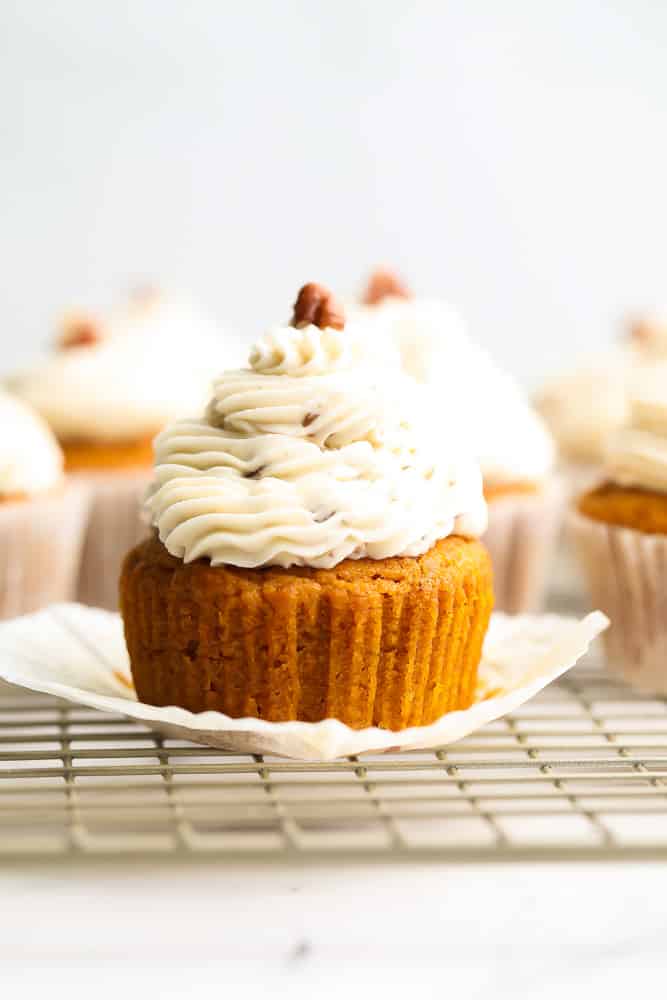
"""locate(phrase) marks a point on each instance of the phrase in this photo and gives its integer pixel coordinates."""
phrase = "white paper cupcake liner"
(40, 549)
(521, 539)
(115, 525)
(79, 654)
(626, 574)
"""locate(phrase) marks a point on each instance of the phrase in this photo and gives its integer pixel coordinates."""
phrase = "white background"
(510, 156)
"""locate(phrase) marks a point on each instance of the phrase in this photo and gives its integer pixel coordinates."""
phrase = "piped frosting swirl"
(636, 455)
(310, 456)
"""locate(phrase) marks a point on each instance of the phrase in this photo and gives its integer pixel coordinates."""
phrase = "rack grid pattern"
(579, 772)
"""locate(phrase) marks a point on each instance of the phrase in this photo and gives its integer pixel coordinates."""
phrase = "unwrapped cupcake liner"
(626, 574)
(521, 538)
(40, 548)
(79, 654)
(115, 525)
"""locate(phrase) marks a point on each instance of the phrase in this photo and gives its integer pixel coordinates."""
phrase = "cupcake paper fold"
(115, 525)
(40, 546)
(626, 574)
(79, 654)
(521, 536)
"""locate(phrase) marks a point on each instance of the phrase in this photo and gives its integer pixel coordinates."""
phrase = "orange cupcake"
(620, 529)
(106, 391)
(314, 554)
(42, 519)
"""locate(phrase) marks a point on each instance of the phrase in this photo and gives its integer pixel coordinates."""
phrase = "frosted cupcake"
(620, 530)
(42, 519)
(106, 391)
(514, 447)
(583, 408)
(315, 551)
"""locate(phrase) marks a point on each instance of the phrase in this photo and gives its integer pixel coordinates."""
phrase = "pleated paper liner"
(79, 654)
(626, 575)
(40, 547)
(115, 525)
(522, 533)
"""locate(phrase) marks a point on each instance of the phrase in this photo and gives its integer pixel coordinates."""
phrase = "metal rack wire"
(579, 772)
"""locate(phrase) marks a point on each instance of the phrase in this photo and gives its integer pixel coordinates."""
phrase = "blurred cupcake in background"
(584, 407)
(620, 531)
(42, 518)
(512, 443)
(106, 390)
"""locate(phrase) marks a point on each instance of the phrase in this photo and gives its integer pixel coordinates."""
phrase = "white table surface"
(492, 930)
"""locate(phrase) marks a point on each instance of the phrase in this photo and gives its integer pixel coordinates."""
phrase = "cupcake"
(584, 407)
(42, 518)
(512, 443)
(315, 552)
(620, 531)
(106, 390)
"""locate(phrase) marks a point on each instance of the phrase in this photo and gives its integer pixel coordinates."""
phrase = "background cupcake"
(317, 552)
(620, 530)
(485, 407)
(42, 519)
(584, 407)
(106, 390)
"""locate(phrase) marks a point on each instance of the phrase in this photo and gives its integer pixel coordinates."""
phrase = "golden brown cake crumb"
(627, 507)
(495, 491)
(392, 643)
(92, 456)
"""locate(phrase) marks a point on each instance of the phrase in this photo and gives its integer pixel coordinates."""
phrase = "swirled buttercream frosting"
(125, 377)
(636, 455)
(30, 458)
(309, 456)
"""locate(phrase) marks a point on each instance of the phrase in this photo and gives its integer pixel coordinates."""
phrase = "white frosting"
(153, 364)
(509, 438)
(309, 457)
(584, 407)
(30, 458)
(636, 455)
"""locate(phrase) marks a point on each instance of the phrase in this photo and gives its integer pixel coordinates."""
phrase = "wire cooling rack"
(579, 772)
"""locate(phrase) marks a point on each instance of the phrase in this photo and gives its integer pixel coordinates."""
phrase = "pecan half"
(316, 304)
(383, 284)
(79, 330)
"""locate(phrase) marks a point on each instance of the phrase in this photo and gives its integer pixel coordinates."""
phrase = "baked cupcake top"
(30, 459)
(311, 455)
(124, 378)
(636, 455)
(509, 438)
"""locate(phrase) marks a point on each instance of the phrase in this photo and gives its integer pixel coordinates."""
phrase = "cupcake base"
(626, 574)
(40, 548)
(389, 643)
(115, 524)
(522, 533)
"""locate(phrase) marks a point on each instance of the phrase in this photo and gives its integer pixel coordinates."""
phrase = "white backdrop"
(510, 156)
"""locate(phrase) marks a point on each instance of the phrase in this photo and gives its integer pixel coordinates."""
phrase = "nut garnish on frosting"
(79, 330)
(316, 306)
(309, 456)
(384, 284)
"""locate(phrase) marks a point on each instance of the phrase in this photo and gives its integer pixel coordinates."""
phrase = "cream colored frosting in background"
(636, 455)
(30, 459)
(310, 456)
(153, 364)
(470, 392)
